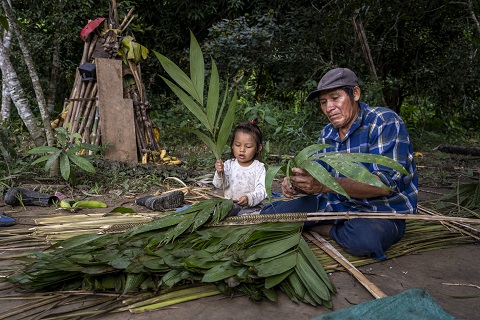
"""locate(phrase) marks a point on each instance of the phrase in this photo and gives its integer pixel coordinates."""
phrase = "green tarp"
(413, 304)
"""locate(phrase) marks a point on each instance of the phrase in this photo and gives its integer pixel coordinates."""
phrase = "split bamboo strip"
(335, 254)
(458, 226)
(28, 306)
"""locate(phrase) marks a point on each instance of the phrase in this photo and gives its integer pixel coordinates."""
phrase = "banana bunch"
(73, 206)
(169, 160)
(160, 158)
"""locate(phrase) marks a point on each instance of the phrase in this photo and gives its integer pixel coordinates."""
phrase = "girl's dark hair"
(251, 128)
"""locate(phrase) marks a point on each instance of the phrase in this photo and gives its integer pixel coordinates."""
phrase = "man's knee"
(366, 237)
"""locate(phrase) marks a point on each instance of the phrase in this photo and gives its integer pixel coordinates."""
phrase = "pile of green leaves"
(181, 249)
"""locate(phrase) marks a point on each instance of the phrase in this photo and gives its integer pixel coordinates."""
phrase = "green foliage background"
(274, 53)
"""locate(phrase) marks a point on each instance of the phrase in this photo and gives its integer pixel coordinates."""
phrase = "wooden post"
(117, 122)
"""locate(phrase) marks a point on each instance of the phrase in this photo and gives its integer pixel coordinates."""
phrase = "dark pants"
(359, 237)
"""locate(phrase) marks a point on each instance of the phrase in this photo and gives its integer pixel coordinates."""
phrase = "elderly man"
(356, 127)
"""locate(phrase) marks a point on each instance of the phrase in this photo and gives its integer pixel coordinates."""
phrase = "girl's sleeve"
(260, 193)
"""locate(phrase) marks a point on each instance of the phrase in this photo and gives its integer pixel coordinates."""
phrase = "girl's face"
(244, 148)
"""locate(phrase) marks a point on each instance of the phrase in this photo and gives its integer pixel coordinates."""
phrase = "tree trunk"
(52, 88)
(474, 16)
(19, 98)
(57, 44)
(6, 100)
(447, 148)
(33, 73)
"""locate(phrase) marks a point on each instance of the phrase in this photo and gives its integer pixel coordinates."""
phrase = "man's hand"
(219, 166)
(303, 182)
(242, 201)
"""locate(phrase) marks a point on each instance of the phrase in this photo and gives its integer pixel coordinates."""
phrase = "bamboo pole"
(96, 128)
(335, 254)
(89, 126)
(71, 102)
(80, 109)
(91, 98)
(92, 48)
(75, 105)
(124, 23)
(322, 216)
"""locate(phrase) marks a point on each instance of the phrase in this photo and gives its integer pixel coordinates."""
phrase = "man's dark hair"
(349, 91)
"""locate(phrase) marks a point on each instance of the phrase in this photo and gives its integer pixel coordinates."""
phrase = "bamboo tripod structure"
(81, 110)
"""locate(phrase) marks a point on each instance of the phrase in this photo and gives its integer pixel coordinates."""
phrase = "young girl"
(243, 176)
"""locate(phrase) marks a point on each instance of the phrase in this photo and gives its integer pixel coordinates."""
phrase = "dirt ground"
(450, 275)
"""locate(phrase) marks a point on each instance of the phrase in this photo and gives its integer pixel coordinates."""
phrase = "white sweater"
(241, 181)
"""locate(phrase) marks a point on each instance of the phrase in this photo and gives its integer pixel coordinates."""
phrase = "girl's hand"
(242, 201)
(219, 166)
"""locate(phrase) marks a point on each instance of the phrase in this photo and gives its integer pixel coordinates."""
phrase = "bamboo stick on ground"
(330, 250)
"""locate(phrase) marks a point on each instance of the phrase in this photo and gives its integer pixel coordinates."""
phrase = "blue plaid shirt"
(380, 131)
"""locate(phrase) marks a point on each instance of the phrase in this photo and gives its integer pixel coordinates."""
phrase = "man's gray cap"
(334, 78)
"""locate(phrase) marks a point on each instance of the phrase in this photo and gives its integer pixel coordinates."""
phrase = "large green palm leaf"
(190, 91)
(346, 164)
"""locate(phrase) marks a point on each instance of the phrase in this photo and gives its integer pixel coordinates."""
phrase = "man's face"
(339, 108)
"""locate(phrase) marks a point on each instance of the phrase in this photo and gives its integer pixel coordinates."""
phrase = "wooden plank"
(116, 113)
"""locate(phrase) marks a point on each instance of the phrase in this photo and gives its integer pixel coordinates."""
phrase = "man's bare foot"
(323, 230)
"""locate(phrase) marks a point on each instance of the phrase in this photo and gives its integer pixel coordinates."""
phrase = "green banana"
(67, 203)
(72, 205)
(89, 204)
